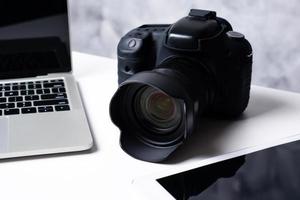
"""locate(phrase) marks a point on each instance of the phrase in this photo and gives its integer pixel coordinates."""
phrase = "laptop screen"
(34, 38)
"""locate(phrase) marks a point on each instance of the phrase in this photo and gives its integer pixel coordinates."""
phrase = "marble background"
(272, 27)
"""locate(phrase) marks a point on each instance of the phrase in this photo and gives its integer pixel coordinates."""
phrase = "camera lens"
(156, 110)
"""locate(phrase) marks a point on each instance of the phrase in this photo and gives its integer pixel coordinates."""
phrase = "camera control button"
(235, 35)
(131, 43)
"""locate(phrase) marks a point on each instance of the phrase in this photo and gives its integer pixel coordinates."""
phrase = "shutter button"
(235, 35)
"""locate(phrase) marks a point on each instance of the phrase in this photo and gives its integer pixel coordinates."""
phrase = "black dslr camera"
(170, 75)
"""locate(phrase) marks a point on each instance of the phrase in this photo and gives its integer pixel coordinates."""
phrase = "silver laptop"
(40, 107)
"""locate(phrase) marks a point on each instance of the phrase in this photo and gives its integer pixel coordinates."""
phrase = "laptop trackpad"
(4, 135)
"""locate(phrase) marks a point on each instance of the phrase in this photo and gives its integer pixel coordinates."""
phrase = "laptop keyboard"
(33, 97)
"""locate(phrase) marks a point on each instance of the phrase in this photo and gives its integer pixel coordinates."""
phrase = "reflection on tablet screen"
(270, 174)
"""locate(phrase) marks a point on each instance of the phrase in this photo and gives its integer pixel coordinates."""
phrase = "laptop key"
(53, 96)
(20, 98)
(62, 108)
(50, 102)
(11, 111)
(39, 91)
(46, 91)
(2, 100)
(5, 88)
(62, 90)
(45, 109)
(15, 87)
(28, 110)
(51, 85)
(24, 104)
(7, 105)
(55, 90)
(0, 112)
(56, 80)
(11, 93)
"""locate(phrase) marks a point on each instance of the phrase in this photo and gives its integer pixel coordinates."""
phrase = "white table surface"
(107, 172)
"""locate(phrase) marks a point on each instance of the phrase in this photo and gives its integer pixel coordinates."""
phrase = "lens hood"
(141, 143)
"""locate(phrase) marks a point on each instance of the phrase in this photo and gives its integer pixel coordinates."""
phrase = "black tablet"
(270, 174)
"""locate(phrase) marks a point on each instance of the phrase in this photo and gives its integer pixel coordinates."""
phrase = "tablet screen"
(270, 174)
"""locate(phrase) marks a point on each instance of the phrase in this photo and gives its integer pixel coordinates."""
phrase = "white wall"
(272, 27)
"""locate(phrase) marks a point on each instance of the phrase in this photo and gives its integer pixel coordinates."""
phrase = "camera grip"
(234, 85)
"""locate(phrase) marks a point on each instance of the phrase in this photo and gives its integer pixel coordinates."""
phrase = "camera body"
(170, 75)
(222, 57)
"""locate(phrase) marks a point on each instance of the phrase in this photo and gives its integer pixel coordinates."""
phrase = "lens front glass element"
(157, 110)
